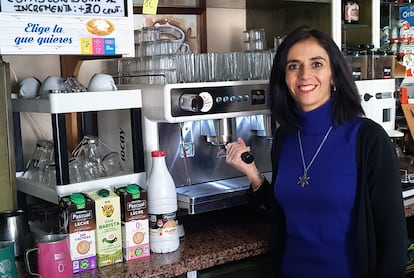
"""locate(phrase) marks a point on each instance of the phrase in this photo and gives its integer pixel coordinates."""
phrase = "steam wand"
(188, 178)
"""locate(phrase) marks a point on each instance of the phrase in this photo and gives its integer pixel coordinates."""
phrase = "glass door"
(364, 31)
(397, 33)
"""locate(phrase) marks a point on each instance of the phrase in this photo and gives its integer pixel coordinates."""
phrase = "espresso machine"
(193, 122)
(378, 99)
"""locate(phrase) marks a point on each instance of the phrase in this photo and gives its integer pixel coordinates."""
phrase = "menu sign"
(66, 7)
(75, 27)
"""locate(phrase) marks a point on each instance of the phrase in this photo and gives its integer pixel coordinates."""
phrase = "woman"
(335, 197)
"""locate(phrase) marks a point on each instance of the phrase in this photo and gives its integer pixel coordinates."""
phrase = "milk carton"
(108, 227)
(77, 219)
(134, 216)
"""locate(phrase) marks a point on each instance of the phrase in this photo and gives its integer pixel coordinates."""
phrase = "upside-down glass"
(186, 67)
(49, 176)
(214, 66)
(78, 170)
(201, 67)
(92, 150)
(112, 164)
(42, 156)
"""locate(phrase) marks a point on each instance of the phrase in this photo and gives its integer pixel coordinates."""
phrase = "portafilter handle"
(247, 157)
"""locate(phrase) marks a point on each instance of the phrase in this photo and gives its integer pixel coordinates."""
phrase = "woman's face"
(308, 74)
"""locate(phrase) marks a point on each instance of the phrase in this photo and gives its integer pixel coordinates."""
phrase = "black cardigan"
(381, 230)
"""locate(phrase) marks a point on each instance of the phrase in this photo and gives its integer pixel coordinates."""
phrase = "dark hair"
(346, 102)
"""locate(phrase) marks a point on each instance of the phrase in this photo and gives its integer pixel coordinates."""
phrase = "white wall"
(225, 29)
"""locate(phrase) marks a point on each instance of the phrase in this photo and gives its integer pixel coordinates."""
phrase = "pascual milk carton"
(77, 219)
(134, 216)
(108, 227)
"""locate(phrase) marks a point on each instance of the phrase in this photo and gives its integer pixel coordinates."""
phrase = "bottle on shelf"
(162, 206)
(351, 12)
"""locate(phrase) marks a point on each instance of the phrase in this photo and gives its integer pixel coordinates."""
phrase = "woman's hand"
(233, 158)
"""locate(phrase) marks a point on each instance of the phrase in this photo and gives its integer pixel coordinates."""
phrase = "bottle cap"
(158, 153)
(78, 199)
(103, 193)
(133, 189)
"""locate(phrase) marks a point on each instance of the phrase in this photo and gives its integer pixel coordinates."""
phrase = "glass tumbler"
(40, 158)
(112, 164)
(78, 170)
(49, 177)
(93, 151)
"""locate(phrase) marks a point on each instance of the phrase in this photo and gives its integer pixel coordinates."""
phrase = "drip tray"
(210, 196)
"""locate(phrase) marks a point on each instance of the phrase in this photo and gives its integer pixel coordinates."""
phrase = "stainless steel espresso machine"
(193, 122)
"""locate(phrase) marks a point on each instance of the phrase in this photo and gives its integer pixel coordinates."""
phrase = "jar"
(368, 49)
(359, 65)
(348, 58)
(383, 64)
(351, 12)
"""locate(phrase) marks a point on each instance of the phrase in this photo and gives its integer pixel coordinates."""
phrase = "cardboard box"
(108, 232)
(134, 217)
(77, 219)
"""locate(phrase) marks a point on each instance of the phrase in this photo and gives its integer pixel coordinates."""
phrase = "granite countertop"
(210, 239)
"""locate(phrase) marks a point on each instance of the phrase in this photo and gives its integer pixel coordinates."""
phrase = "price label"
(65, 7)
(150, 7)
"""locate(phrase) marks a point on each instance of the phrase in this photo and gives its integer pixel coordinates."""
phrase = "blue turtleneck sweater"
(318, 216)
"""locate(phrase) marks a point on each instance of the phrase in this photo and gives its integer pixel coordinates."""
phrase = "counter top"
(210, 239)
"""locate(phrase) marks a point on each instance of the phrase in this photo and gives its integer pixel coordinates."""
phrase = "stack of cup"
(254, 40)
(155, 59)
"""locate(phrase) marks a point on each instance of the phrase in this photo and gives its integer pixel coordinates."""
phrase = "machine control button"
(219, 99)
(239, 98)
(232, 99)
(226, 99)
(246, 97)
(207, 101)
(367, 97)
